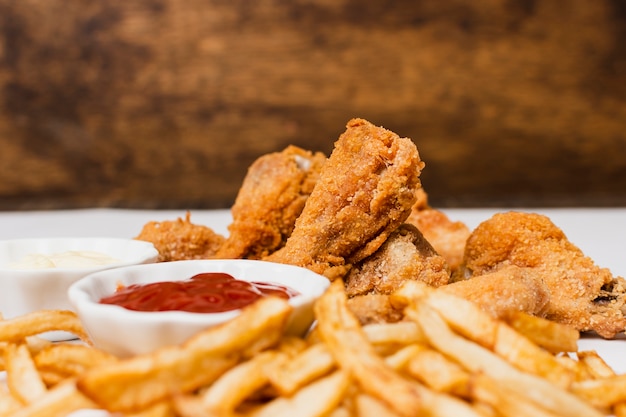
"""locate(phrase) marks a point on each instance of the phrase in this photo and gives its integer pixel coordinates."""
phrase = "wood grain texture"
(165, 103)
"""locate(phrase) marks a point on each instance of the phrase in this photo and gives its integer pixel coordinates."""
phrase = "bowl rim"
(85, 304)
(146, 251)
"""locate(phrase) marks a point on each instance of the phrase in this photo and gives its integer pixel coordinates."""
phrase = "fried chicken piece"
(181, 240)
(365, 191)
(406, 255)
(446, 236)
(504, 291)
(269, 201)
(582, 294)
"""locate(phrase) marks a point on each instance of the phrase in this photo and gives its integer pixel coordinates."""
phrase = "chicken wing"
(181, 240)
(269, 201)
(406, 255)
(446, 236)
(582, 294)
(365, 191)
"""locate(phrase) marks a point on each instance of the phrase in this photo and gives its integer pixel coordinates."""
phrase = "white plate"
(599, 233)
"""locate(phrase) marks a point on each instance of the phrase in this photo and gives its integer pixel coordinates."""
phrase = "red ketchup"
(210, 292)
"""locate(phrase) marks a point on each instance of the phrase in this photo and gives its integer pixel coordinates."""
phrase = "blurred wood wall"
(165, 103)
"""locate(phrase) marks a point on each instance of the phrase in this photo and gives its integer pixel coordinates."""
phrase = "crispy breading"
(269, 201)
(365, 191)
(582, 294)
(406, 255)
(504, 291)
(181, 240)
(446, 236)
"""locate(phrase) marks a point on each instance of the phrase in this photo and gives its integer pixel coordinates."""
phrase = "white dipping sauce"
(69, 259)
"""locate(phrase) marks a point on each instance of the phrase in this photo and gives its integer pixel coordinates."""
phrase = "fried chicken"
(269, 201)
(406, 255)
(504, 291)
(446, 236)
(365, 191)
(181, 240)
(582, 294)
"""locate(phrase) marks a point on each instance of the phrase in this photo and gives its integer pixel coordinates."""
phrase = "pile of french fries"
(446, 358)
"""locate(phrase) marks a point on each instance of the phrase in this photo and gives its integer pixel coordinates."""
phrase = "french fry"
(8, 403)
(59, 401)
(595, 366)
(477, 359)
(23, 380)
(70, 359)
(505, 401)
(135, 383)
(160, 409)
(309, 365)
(470, 321)
(398, 334)
(550, 335)
(37, 322)
(439, 373)
(314, 400)
(347, 342)
(234, 386)
(603, 392)
(368, 406)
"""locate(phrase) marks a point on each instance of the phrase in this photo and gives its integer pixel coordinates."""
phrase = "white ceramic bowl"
(26, 290)
(126, 332)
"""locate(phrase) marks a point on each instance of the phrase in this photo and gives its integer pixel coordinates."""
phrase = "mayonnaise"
(69, 259)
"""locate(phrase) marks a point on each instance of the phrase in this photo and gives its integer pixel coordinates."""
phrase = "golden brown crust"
(446, 236)
(531, 241)
(365, 191)
(269, 201)
(181, 240)
(504, 291)
(406, 255)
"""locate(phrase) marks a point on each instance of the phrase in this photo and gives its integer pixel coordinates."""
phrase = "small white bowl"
(25, 290)
(126, 332)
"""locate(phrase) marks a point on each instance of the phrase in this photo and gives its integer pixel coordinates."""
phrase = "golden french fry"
(59, 401)
(309, 365)
(503, 400)
(70, 359)
(160, 409)
(138, 382)
(232, 388)
(368, 406)
(8, 403)
(409, 293)
(37, 322)
(550, 335)
(477, 359)
(467, 319)
(399, 359)
(23, 379)
(291, 345)
(439, 373)
(314, 400)
(595, 366)
(347, 342)
(340, 411)
(603, 392)
(400, 334)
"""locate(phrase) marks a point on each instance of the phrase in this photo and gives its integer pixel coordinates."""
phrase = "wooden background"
(165, 103)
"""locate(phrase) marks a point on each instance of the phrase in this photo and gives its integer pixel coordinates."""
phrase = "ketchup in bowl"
(209, 292)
